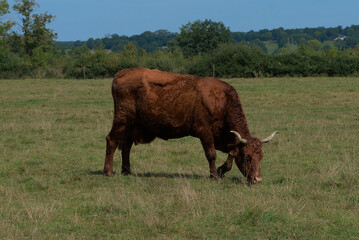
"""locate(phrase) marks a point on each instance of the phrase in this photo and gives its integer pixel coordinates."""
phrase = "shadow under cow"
(156, 175)
(169, 175)
(235, 180)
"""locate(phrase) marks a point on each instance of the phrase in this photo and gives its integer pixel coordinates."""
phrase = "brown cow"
(150, 103)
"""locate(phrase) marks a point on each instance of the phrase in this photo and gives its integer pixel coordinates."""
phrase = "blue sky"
(82, 19)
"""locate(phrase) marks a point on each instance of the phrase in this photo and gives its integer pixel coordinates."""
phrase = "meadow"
(52, 149)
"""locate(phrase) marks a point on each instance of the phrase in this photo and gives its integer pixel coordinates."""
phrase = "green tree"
(5, 26)
(202, 37)
(34, 26)
(81, 58)
(280, 35)
(130, 50)
(314, 45)
(129, 56)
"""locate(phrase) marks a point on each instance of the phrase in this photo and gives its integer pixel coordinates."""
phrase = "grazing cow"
(151, 103)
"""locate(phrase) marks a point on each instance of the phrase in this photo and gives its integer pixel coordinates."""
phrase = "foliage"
(231, 60)
(202, 48)
(227, 60)
(309, 57)
(31, 54)
(239, 60)
(171, 61)
(152, 41)
(35, 32)
(201, 37)
(5, 26)
(13, 65)
(295, 36)
(149, 41)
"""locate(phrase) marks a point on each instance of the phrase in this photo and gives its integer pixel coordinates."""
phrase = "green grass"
(52, 149)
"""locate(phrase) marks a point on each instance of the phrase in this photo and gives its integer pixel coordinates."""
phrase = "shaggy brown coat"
(151, 103)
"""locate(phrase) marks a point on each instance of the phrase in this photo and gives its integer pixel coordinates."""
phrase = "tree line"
(149, 41)
(203, 48)
(349, 36)
(152, 41)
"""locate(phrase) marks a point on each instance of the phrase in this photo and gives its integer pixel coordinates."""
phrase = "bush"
(161, 60)
(200, 66)
(13, 65)
(239, 60)
(229, 60)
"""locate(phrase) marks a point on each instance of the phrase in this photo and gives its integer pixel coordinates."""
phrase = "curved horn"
(242, 140)
(269, 138)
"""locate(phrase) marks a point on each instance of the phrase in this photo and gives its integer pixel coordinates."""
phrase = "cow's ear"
(234, 152)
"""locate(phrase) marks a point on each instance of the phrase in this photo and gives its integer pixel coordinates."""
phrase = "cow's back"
(160, 102)
(169, 105)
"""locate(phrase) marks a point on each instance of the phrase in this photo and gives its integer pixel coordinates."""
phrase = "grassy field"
(52, 149)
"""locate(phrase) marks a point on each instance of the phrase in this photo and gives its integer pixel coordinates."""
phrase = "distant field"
(52, 148)
(271, 47)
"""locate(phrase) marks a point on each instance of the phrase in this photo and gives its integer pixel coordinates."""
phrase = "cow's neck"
(242, 127)
(239, 121)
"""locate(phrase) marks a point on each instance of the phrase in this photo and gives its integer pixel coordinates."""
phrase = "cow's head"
(249, 155)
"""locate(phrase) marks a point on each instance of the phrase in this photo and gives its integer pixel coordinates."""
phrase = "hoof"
(108, 173)
(126, 171)
(214, 176)
(220, 172)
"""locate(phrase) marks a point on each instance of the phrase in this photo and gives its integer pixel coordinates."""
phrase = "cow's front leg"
(126, 148)
(210, 151)
(227, 166)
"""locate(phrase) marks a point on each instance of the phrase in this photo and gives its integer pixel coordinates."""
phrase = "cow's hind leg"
(126, 148)
(111, 146)
(112, 142)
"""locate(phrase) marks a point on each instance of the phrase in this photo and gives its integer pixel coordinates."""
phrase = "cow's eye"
(247, 158)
